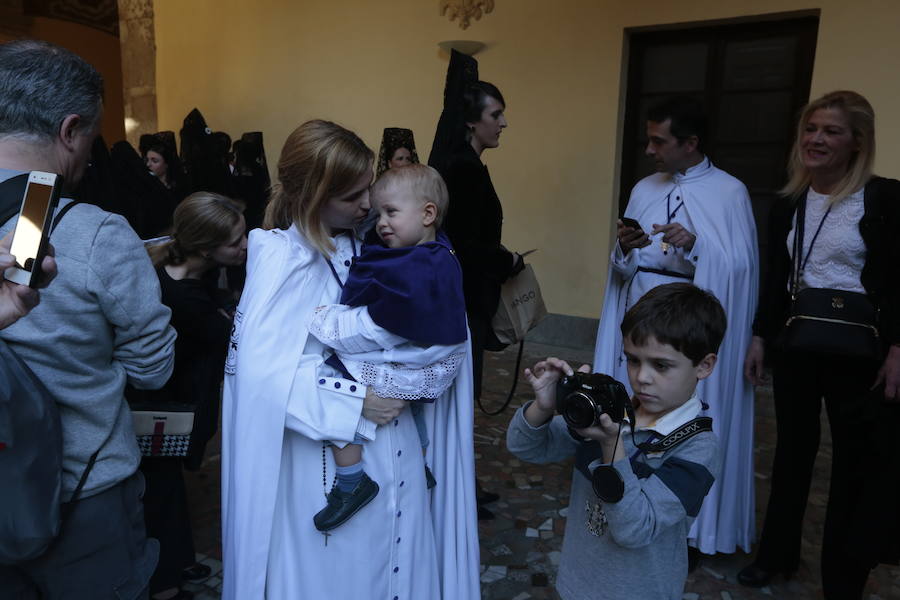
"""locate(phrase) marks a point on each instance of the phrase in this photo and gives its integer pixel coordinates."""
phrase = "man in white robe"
(281, 403)
(696, 224)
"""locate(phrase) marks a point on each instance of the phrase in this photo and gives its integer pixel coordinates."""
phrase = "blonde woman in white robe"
(282, 403)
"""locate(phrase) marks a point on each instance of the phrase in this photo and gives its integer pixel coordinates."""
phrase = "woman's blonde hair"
(320, 160)
(202, 222)
(861, 118)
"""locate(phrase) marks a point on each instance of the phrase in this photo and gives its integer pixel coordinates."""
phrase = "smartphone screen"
(27, 237)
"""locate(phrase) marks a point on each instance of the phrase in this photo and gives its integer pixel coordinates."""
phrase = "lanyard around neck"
(331, 266)
(799, 260)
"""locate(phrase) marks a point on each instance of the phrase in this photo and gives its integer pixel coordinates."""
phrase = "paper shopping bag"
(520, 309)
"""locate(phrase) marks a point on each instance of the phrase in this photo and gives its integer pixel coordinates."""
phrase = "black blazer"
(474, 223)
(879, 228)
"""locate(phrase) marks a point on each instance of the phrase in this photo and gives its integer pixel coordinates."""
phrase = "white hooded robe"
(280, 405)
(725, 261)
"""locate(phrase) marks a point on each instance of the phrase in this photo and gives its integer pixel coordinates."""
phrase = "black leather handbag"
(828, 321)
(833, 322)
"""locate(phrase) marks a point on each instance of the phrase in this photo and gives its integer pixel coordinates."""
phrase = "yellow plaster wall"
(271, 64)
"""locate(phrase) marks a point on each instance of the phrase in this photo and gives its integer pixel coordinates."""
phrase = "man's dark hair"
(681, 315)
(41, 84)
(687, 117)
(475, 98)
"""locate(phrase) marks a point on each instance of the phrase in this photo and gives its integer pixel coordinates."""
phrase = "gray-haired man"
(99, 325)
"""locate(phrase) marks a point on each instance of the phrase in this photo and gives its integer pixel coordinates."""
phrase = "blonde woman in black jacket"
(830, 251)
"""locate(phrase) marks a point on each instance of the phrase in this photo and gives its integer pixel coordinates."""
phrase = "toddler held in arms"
(402, 305)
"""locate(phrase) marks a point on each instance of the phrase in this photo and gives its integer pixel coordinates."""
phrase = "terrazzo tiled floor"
(520, 548)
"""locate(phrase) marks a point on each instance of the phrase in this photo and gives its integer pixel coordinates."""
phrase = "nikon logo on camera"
(524, 298)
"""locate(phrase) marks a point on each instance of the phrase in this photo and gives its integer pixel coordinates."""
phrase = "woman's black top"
(200, 349)
(474, 224)
(880, 275)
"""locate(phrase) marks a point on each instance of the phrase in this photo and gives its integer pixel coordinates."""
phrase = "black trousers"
(168, 520)
(800, 384)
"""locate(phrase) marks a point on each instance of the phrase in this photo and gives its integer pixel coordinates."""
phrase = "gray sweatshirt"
(642, 551)
(99, 323)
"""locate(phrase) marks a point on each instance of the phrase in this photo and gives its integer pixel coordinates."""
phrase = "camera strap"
(607, 482)
(11, 191)
(682, 434)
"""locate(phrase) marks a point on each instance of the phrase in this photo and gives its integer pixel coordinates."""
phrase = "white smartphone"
(30, 237)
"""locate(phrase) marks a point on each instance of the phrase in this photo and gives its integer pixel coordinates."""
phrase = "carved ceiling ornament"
(465, 10)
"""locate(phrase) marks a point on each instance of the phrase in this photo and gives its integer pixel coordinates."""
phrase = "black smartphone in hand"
(629, 222)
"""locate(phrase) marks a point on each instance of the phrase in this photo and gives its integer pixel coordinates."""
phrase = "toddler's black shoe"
(430, 481)
(343, 505)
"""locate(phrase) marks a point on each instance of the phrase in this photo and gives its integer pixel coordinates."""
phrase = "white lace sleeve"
(407, 381)
(350, 330)
(390, 364)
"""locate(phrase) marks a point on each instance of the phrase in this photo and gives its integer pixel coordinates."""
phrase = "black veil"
(140, 197)
(204, 158)
(450, 134)
(251, 176)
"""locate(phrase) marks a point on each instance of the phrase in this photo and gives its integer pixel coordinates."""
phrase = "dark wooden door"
(753, 79)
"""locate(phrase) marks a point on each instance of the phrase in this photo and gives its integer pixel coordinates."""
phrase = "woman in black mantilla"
(470, 123)
(140, 196)
(161, 157)
(834, 234)
(398, 149)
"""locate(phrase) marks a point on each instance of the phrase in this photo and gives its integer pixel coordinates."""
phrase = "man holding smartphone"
(16, 300)
(99, 325)
(692, 222)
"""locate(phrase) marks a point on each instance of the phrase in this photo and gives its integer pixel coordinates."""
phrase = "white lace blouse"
(839, 253)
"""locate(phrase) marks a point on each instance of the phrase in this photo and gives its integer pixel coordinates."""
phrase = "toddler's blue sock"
(348, 477)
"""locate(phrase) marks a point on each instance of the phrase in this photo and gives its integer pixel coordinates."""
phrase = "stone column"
(138, 46)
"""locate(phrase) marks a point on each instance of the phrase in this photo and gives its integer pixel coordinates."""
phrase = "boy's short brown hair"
(424, 182)
(681, 315)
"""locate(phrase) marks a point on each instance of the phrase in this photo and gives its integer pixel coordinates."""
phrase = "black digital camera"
(582, 397)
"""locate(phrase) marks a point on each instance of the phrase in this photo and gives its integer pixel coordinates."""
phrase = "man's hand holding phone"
(631, 235)
(17, 300)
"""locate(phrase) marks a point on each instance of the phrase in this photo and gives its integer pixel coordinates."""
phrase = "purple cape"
(414, 292)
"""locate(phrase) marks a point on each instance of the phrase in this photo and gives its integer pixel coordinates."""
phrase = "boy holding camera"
(640, 477)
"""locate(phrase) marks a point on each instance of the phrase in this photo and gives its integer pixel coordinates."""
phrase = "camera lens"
(579, 411)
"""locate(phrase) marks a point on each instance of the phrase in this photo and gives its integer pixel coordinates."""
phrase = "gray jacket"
(642, 552)
(99, 324)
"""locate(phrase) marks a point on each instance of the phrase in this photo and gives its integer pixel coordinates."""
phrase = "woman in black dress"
(208, 233)
(472, 121)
